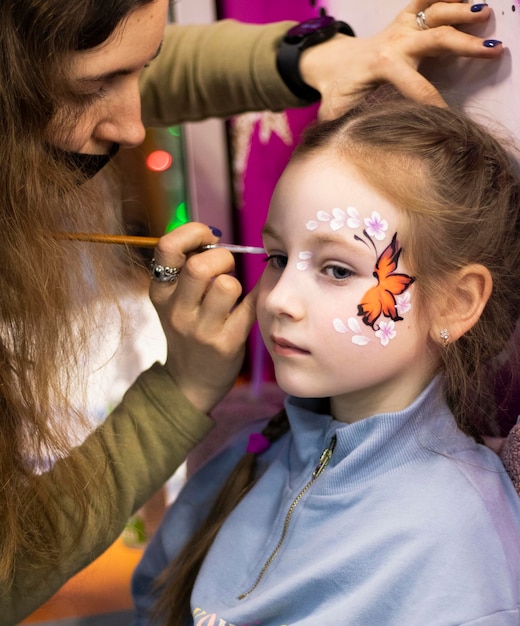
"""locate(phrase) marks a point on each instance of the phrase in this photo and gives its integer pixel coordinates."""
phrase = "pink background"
(266, 160)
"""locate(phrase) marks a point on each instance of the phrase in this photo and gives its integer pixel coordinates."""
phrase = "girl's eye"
(277, 261)
(338, 272)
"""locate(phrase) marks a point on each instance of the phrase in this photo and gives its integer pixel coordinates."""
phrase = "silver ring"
(163, 273)
(420, 18)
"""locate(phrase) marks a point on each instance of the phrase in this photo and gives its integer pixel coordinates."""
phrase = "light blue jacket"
(410, 524)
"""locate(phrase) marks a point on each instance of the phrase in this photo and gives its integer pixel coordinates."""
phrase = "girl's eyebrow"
(331, 239)
(108, 76)
(323, 239)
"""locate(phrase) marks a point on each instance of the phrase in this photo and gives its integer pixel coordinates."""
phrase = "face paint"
(381, 299)
(303, 262)
(387, 297)
(353, 325)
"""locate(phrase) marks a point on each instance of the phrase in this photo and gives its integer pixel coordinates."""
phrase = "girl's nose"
(287, 296)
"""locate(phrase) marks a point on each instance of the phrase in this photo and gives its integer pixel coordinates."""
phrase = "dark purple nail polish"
(216, 231)
(477, 8)
(491, 43)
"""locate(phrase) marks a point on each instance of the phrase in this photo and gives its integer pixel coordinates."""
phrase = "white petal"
(339, 213)
(323, 216)
(339, 326)
(311, 225)
(359, 340)
(354, 325)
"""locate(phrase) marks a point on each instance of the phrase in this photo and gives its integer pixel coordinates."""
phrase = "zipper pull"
(325, 457)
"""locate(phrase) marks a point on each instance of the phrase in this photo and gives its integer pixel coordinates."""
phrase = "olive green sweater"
(132, 454)
(215, 70)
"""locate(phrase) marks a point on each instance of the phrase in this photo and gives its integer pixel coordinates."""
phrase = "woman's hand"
(393, 55)
(205, 328)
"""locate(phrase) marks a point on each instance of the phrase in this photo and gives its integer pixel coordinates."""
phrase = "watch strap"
(288, 60)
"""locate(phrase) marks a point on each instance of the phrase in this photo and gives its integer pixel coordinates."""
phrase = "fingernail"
(491, 43)
(477, 8)
(216, 231)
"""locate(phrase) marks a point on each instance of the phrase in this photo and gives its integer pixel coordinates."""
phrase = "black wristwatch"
(296, 40)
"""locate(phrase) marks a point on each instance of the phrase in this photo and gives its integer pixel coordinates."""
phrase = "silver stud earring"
(445, 336)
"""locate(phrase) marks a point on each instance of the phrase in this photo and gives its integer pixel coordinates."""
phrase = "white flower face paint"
(327, 302)
(353, 325)
(303, 262)
(353, 219)
(386, 332)
(376, 227)
(403, 302)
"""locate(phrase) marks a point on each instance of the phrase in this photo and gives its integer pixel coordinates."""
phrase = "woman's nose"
(123, 124)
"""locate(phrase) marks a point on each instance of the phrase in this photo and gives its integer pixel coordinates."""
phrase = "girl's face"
(105, 79)
(336, 305)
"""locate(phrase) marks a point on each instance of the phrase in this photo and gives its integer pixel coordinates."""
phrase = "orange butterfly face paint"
(381, 299)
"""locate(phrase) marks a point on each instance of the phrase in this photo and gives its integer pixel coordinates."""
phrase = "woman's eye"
(99, 94)
(85, 98)
(277, 261)
(338, 272)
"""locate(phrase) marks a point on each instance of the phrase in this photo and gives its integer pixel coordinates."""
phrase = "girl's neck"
(389, 397)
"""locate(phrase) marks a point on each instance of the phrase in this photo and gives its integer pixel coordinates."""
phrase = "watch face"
(298, 32)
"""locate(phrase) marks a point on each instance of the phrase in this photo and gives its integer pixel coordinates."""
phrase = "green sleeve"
(132, 454)
(215, 70)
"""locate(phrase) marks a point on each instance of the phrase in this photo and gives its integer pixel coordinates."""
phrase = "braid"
(176, 582)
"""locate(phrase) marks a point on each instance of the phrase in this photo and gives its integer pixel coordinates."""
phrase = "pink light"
(159, 160)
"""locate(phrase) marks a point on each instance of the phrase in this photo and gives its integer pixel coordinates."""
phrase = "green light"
(175, 131)
(179, 217)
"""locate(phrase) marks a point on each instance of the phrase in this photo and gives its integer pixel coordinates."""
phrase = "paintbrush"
(149, 242)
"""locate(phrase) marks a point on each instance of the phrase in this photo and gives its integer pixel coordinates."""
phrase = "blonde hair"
(460, 192)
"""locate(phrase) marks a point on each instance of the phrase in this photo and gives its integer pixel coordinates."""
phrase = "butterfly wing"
(380, 299)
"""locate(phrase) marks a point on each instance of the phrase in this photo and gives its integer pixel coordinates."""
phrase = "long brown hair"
(459, 190)
(45, 285)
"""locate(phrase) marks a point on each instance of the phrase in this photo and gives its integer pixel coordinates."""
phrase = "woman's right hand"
(206, 329)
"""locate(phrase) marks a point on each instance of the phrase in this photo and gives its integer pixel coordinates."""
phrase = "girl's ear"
(465, 297)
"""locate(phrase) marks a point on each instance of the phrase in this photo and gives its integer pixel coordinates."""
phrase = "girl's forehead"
(329, 190)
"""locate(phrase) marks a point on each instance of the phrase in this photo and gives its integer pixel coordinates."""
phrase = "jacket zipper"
(318, 470)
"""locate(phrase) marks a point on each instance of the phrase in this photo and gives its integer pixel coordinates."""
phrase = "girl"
(391, 288)
(70, 81)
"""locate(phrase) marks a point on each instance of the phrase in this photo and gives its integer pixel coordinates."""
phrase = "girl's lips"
(286, 348)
